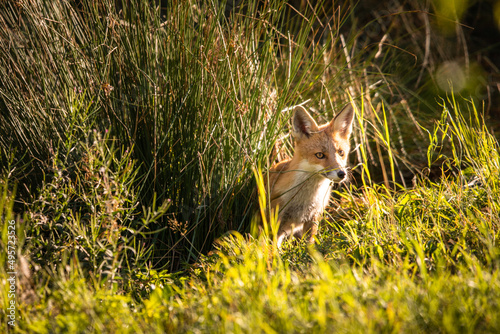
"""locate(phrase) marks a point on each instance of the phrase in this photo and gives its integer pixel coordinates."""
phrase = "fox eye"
(340, 152)
(320, 155)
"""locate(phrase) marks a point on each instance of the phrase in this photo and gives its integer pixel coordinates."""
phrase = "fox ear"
(341, 125)
(303, 123)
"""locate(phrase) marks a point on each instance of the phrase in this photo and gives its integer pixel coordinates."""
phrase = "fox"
(300, 186)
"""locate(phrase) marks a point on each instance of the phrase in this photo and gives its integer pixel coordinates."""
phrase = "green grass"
(132, 143)
(420, 259)
(424, 259)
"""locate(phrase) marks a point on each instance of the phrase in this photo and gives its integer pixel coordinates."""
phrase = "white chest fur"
(306, 199)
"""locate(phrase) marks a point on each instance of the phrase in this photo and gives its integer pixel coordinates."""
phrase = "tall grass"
(192, 95)
(130, 132)
(424, 259)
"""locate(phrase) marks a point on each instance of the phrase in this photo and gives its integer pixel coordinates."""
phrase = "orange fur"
(301, 186)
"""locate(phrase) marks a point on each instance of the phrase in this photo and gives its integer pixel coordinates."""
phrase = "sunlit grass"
(420, 259)
(134, 150)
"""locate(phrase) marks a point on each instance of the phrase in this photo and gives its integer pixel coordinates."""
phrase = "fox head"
(322, 149)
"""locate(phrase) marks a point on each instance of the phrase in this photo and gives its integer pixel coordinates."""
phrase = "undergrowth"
(133, 137)
(420, 259)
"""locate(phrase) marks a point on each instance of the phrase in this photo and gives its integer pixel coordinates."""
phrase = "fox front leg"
(310, 230)
(286, 230)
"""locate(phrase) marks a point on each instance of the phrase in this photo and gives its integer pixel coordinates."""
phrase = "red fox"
(300, 187)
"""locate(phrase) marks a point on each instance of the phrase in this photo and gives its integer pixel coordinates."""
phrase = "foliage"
(134, 135)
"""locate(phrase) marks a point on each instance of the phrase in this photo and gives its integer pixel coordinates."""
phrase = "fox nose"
(341, 174)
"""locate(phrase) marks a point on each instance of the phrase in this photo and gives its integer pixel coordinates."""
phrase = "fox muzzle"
(335, 174)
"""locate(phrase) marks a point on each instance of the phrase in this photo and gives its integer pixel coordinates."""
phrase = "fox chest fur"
(300, 187)
(300, 196)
